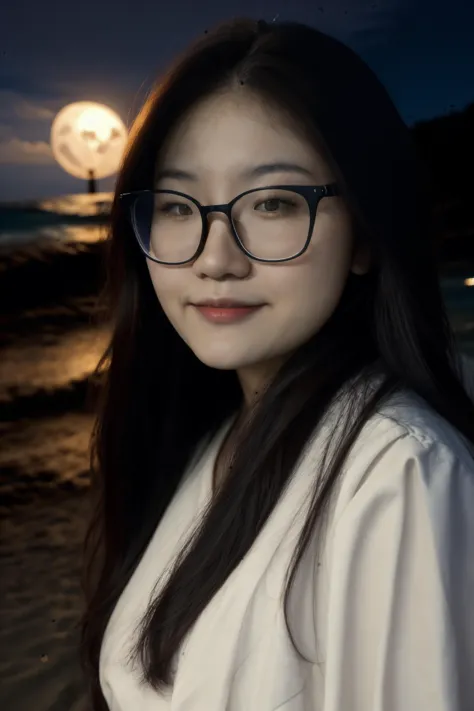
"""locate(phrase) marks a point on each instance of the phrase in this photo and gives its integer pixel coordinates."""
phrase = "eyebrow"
(252, 172)
(269, 168)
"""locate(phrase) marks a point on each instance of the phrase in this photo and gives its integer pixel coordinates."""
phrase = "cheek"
(165, 280)
(312, 291)
(310, 304)
(168, 288)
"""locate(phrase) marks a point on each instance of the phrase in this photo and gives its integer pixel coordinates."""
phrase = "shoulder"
(394, 611)
(407, 440)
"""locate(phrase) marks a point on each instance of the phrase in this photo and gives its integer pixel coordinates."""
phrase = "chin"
(222, 363)
(220, 360)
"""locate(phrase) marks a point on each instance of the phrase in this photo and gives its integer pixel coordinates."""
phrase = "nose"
(221, 257)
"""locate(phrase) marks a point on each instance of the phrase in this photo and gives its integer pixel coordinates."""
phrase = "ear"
(361, 259)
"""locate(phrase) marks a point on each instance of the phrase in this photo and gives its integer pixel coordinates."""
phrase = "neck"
(254, 379)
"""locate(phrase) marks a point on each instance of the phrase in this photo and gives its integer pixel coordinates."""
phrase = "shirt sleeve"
(400, 633)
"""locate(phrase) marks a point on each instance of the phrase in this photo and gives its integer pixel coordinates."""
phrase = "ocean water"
(49, 277)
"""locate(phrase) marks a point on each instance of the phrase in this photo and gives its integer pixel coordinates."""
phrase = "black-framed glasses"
(270, 224)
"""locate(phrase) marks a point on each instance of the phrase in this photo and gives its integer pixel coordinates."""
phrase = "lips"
(224, 304)
(226, 312)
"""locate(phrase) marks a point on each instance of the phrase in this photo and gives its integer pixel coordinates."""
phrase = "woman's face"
(219, 143)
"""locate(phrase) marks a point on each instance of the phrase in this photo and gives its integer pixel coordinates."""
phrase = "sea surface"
(50, 274)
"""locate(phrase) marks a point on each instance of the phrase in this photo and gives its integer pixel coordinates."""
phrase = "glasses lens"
(272, 223)
(168, 226)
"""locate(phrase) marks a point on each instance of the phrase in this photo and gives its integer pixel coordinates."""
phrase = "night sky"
(54, 53)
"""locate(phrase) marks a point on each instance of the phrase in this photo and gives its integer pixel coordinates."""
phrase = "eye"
(175, 209)
(274, 205)
(270, 205)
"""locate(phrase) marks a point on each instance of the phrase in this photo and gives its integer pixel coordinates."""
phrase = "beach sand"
(40, 603)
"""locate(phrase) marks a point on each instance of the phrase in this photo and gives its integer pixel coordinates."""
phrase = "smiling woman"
(284, 456)
(273, 223)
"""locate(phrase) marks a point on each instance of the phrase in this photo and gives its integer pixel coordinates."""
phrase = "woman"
(284, 454)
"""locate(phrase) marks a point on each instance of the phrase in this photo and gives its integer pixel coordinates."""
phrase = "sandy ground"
(40, 604)
(39, 456)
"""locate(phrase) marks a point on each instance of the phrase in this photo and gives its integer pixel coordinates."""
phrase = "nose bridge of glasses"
(208, 210)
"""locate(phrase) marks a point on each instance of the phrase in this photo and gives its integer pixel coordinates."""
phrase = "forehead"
(223, 133)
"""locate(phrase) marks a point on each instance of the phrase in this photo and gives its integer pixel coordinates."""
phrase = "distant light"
(469, 281)
(88, 140)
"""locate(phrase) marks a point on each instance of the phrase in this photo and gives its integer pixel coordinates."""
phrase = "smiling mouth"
(226, 314)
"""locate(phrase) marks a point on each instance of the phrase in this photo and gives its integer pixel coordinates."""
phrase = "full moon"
(88, 140)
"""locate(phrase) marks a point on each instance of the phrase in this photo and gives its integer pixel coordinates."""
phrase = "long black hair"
(159, 401)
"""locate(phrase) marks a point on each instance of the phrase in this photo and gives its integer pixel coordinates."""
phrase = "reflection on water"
(75, 233)
(80, 218)
(81, 204)
(54, 234)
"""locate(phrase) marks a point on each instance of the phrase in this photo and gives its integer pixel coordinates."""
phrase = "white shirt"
(382, 606)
